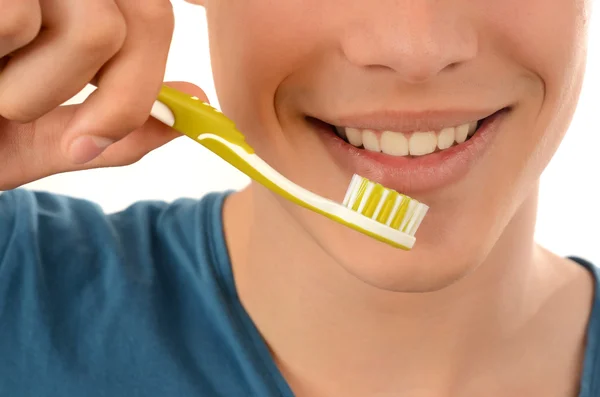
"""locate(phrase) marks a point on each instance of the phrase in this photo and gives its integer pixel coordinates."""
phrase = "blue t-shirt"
(139, 303)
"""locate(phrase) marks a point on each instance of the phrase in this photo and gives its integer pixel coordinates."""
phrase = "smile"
(408, 143)
(410, 154)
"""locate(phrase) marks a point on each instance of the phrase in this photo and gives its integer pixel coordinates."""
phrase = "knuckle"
(19, 25)
(103, 35)
(135, 121)
(157, 11)
(130, 118)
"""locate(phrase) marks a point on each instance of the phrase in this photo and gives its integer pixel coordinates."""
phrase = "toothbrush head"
(389, 216)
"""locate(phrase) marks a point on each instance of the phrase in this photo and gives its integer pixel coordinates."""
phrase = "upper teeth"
(402, 144)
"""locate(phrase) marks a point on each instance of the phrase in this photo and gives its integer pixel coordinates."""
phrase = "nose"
(417, 39)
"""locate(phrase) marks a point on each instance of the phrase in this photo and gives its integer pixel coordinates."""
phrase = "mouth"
(402, 144)
(408, 154)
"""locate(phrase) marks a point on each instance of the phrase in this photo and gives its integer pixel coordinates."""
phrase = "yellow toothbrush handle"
(217, 133)
(193, 118)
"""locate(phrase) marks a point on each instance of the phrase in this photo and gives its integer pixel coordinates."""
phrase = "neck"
(324, 325)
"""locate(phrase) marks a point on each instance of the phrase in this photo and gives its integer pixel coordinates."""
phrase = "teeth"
(341, 131)
(394, 143)
(422, 143)
(400, 144)
(461, 133)
(472, 128)
(354, 137)
(370, 141)
(446, 138)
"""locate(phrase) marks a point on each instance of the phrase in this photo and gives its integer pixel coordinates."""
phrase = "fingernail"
(86, 148)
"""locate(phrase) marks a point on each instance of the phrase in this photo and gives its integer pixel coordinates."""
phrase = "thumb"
(105, 119)
(35, 150)
(151, 135)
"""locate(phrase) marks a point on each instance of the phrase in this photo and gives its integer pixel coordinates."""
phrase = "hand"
(49, 51)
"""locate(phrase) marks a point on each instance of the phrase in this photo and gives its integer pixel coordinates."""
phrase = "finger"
(77, 39)
(151, 135)
(27, 150)
(33, 150)
(19, 25)
(128, 85)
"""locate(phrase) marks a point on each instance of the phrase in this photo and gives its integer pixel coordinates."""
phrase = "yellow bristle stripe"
(388, 206)
(373, 200)
(401, 213)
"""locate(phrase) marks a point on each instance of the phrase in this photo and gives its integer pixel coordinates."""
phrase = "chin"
(438, 260)
(417, 271)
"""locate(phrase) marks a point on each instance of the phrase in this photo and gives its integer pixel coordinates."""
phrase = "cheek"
(255, 45)
(544, 36)
(549, 39)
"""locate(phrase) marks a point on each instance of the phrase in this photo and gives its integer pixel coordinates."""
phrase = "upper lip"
(402, 121)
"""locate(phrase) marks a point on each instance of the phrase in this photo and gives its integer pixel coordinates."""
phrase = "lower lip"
(411, 175)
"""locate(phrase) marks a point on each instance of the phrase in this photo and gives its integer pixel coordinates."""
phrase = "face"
(457, 103)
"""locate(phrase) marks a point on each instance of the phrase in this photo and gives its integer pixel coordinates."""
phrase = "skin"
(49, 51)
(476, 308)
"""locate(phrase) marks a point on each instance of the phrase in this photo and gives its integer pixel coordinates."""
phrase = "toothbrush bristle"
(384, 205)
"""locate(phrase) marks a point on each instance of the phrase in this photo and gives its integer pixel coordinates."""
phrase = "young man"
(249, 295)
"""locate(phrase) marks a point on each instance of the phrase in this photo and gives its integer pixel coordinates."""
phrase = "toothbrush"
(369, 208)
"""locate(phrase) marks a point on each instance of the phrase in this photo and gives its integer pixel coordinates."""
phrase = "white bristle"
(409, 215)
(355, 192)
(419, 216)
(366, 196)
(380, 204)
(412, 221)
(394, 210)
(422, 212)
(351, 189)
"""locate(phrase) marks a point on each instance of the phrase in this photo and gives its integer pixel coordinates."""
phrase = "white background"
(569, 213)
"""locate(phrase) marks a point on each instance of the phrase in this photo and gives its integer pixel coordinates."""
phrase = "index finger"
(128, 85)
